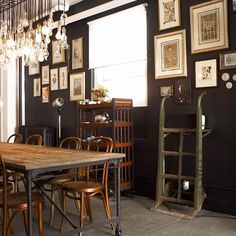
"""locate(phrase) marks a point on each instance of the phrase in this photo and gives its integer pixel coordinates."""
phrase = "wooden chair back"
(71, 143)
(35, 139)
(100, 144)
(15, 138)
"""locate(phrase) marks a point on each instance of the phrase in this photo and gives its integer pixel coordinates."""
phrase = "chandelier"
(21, 34)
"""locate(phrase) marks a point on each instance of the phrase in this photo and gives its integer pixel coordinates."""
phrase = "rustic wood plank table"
(34, 160)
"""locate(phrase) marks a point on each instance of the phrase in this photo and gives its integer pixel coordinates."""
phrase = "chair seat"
(59, 180)
(19, 200)
(82, 186)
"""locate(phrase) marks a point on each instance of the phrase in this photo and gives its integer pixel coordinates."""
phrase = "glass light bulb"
(58, 34)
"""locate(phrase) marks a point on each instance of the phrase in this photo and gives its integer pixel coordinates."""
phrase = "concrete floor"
(138, 220)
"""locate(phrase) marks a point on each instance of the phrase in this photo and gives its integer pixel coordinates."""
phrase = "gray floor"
(138, 220)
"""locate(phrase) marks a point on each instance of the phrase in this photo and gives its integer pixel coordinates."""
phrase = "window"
(118, 54)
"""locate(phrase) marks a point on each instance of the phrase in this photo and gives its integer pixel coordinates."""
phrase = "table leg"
(118, 208)
(29, 202)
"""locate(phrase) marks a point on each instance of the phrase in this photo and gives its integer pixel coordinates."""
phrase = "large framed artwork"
(169, 14)
(54, 82)
(228, 60)
(77, 86)
(58, 54)
(77, 53)
(45, 74)
(206, 73)
(209, 26)
(170, 55)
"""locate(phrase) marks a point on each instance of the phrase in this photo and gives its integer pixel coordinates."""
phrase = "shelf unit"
(119, 128)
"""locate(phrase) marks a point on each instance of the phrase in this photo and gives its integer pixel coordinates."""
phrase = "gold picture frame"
(46, 94)
(166, 90)
(37, 87)
(169, 14)
(228, 60)
(209, 26)
(77, 53)
(170, 55)
(54, 81)
(206, 73)
(77, 86)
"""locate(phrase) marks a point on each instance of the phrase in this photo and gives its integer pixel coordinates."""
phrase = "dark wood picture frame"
(183, 91)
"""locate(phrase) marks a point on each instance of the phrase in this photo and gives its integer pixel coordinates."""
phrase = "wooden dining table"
(33, 161)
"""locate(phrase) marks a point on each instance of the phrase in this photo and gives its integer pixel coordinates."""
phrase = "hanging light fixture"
(19, 37)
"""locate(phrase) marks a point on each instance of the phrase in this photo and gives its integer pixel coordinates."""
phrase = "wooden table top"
(31, 157)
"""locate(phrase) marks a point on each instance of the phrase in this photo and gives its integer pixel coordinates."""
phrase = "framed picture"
(166, 90)
(209, 26)
(77, 86)
(234, 5)
(169, 14)
(170, 55)
(58, 54)
(45, 94)
(228, 60)
(34, 68)
(54, 79)
(206, 73)
(45, 74)
(37, 87)
(183, 91)
(63, 78)
(77, 53)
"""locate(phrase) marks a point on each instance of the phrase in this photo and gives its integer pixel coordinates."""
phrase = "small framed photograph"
(206, 73)
(77, 86)
(228, 60)
(169, 14)
(58, 54)
(34, 68)
(170, 55)
(45, 94)
(37, 87)
(45, 74)
(77, 53)
(54, 79)
(63, 78)
(209, 26)
(234, 5)
(166, 90)
(183, 91)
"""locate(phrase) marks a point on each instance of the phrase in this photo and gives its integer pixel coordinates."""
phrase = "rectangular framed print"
(183, 91)
(34, 68)
(37, 87)
(45, 94)
(206, 73)
(63, 78)
(228, 60)
(54, 79)
(170, 55)
(77, 86)
(45, 74)
(166, 90)
(169, 14)
(58, 54)
(234, 5)
(77, 53)
(209, 26)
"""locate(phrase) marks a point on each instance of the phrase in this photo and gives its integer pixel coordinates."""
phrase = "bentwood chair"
(17, 202)
(55, 183)
(35, 139)
(14, 176)
(84, 190)
(15, 138)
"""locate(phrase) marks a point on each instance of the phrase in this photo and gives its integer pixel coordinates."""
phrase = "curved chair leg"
(63, 197)
(77, 204)
(81, 212)
(9, 223)
(40, 209)
(88, 207)
(25, 221)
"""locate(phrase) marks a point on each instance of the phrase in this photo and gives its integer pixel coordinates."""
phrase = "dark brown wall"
(219, 164)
